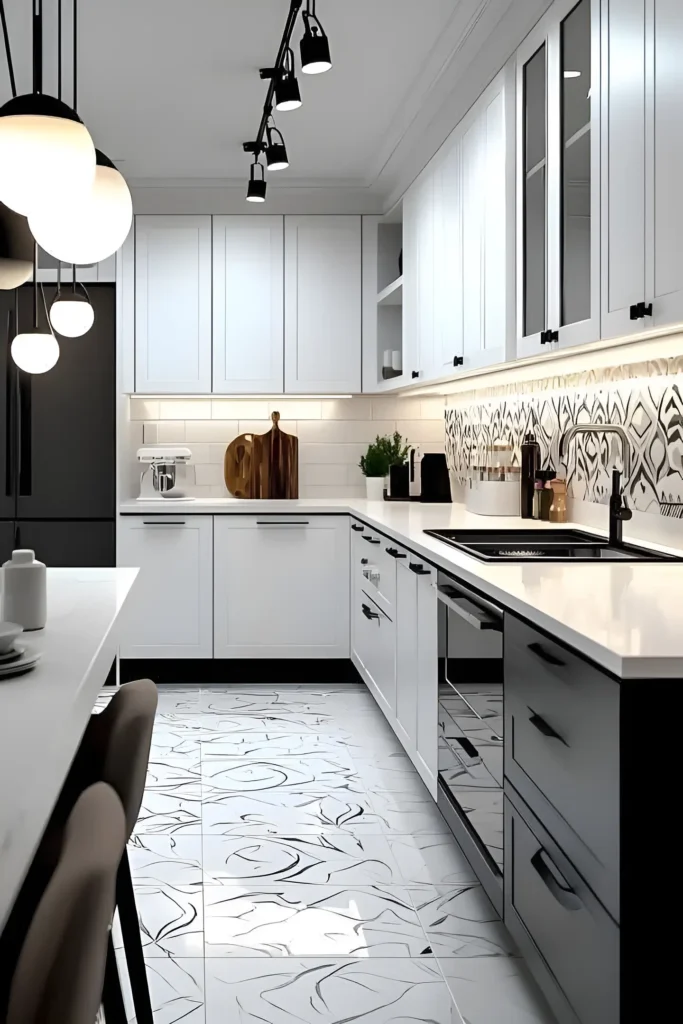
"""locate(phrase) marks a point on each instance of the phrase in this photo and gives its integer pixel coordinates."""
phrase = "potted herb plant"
(382, 453)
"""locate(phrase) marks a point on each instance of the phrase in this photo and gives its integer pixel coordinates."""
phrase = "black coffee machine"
(432, 482)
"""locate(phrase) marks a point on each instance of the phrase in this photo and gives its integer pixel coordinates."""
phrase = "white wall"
(333, 434)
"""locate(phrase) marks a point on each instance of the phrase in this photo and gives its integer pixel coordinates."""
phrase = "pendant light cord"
(8, 51)
(37, 46)
(35, 284)
(75, 95)
(59, 49)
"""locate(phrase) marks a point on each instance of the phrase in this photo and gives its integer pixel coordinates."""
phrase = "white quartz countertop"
(43, 714)
(627, 617)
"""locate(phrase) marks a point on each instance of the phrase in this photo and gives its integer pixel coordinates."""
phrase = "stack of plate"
(15, 658)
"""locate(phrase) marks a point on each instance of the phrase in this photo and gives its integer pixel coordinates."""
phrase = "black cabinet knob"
(639, 310)
(547, 337)
(458, 360)
(415, 373)
(419, 569)
(358, 529)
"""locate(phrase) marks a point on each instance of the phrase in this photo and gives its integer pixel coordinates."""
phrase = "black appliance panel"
(64, 544)
(7, 400)
(6, 541)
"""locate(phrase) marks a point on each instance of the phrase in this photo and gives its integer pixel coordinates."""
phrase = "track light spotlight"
(276, 151)
(315, 46)
(256, 192)
(287, 95)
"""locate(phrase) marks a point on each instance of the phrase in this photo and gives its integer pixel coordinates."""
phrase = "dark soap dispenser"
(531, 459)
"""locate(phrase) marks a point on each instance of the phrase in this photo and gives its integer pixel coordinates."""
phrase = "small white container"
(25, 590)
(493, 497)
(396, 360)
(374, 487)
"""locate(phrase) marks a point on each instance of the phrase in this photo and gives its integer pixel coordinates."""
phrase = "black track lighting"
(256, 192)
(315, 46)
(287, 95)
(276, 151)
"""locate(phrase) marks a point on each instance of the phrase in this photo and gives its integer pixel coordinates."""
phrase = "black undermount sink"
(549, 545)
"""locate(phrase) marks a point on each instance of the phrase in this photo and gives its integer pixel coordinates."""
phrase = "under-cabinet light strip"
(240, 398)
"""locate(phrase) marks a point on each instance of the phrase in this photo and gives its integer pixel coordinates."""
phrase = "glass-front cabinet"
(558, 176)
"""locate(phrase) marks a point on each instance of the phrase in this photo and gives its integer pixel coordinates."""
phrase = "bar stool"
(60, 972)
(115, 750)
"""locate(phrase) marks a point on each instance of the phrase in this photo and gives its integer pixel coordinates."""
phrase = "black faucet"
(619, 512)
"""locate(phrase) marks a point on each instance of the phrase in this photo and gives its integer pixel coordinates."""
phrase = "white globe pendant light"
(35, 350)
(46, 154)
(71, 313)
(90, 227)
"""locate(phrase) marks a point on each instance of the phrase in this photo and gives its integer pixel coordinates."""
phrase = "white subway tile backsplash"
(184, 409)
(396, 408)
(217, 453)
(239, 409)
(144, 409)
(317, 473)
(422, 430)
(150, 433)
(296, 410)
(171, 432)
(343, 431)
(340, 454)
(432, 408)
(263, 426)
(209, 475)
(200, 453)
(340, 491)
(346, 409)
(211, 430)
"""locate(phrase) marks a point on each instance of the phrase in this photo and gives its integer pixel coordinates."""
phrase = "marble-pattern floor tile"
(263, 745)
(299, 723)
(326, 991)
(172, 810)
(176, 989)
(312, 920)
(179, 699)
(175, 743)
(460, 921)
(171, 920)
(407, 813)
(394, 774)
(430, 860)
(316, 774)
(492, 990)
(320, 860)
(178, 772)
(288, 812)
(265, 701)
(166, 860)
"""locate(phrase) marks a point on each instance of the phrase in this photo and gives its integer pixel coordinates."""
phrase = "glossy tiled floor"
(290, 867)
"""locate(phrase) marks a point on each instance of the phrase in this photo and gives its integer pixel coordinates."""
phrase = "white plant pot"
(374, 486)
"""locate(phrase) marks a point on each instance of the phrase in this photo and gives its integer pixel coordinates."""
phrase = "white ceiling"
(170, 88)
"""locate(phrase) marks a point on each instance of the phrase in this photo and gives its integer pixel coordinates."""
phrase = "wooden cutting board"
(237, 466)
(275, 464)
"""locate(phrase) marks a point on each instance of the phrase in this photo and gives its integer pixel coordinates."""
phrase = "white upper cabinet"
(173, 305)
(558, 179)
(248, 292)
(457, 262)
(322, 304)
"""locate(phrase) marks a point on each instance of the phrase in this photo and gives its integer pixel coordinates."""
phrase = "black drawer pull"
(358, 529)
(540, 652)
(543, 727)
(371, 540)
(419, 569)
(368, 612)
(364, 561)
(467, 746)
(394, 552)
(559, 887)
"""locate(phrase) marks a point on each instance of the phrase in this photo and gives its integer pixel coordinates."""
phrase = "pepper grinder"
(558, 509)
(531, 457)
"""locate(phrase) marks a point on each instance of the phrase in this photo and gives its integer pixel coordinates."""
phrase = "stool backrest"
(60, 970)
(122, 737)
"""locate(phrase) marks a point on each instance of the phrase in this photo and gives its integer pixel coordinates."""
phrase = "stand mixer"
(158, 477)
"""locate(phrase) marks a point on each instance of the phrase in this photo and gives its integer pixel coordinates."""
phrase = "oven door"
(471, 715)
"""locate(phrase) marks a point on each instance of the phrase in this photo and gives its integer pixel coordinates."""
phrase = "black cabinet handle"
(467, 746)
(540, 652)
(558, 886)
(358, 529)
(415, 373)
(458, 360)
(419, 569)
(639, 310)
(543, 727)
(368, 612)
(371, 540)
(547, 337)
(364, 561)
(646, 309)
(394, 552)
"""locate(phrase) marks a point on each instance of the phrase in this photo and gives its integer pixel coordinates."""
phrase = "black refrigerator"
(58, 439)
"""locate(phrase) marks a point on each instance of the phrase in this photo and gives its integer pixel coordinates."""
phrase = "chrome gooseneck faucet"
(619, 512)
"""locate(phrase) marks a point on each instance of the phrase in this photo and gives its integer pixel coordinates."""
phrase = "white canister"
(25, 590)
(374, 488)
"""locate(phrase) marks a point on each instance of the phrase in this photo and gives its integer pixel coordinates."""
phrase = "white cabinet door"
(623, 164)
(411, 214)
(322, 305)
(377, 635)
(426, 358)
(169, 612)
(406, 656)
(448, 270)
(426, 734)
(664, 169)
(173, 305)
(281, 586)
(248, 305)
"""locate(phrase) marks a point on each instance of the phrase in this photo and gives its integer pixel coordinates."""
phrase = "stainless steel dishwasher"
(470, 779)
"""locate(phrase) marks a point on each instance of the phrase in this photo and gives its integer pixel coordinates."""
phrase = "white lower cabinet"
(376, 650)
(169, 612)
(406, 655)
(281, 586)
(427, 700)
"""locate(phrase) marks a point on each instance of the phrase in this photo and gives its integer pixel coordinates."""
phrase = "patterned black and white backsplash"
(650, 409)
